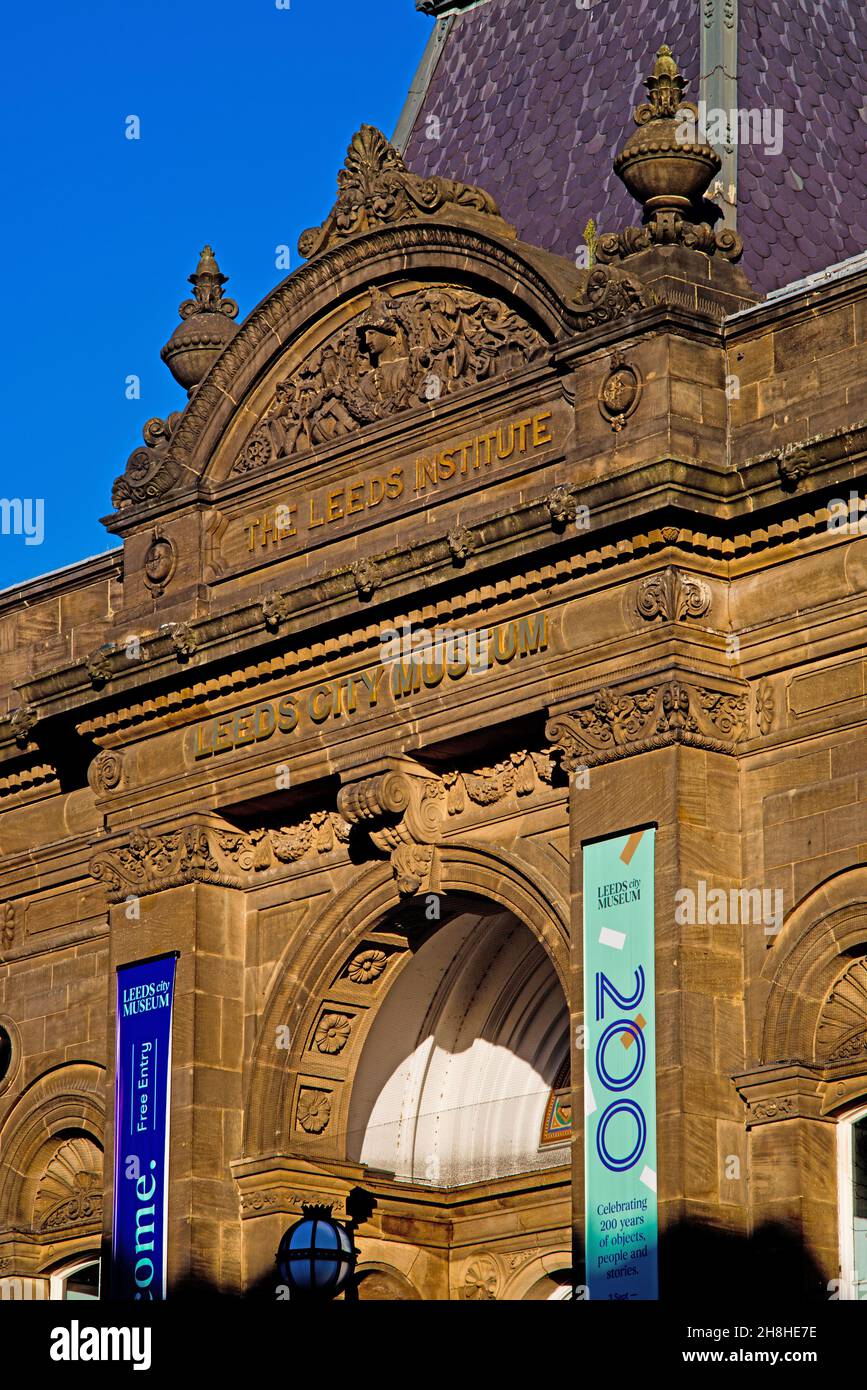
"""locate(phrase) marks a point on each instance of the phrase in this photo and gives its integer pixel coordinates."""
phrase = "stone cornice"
(520, 533)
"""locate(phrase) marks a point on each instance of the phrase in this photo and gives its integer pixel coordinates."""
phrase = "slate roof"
(534, 98)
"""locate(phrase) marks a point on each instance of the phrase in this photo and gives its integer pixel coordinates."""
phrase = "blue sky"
(246, 111)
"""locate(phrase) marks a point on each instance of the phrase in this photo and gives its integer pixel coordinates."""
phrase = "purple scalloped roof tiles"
(523, 114)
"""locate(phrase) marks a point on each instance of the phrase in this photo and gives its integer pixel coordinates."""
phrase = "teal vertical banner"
(620, 1069)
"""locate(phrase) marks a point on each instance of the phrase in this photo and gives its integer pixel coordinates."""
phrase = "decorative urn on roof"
(667, 167)
(206, 325)
(662, 168)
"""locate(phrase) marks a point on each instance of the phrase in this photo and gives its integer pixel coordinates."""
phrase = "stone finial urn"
(664, 164)
(206, 325)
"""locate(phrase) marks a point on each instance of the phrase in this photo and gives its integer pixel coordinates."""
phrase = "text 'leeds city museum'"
(448, 804)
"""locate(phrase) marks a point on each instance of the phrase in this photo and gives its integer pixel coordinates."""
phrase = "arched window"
(852, 1170)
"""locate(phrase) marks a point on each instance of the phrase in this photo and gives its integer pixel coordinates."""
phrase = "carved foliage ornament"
(399, 354)
(606, 295)
(150, 472)
(521, 772)
(150, 863)
(7, 935)
(618, 723)
(375, 189)
(672, 596)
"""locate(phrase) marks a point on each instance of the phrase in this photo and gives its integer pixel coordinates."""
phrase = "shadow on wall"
(699, 1262)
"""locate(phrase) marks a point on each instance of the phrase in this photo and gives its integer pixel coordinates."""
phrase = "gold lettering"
(244, 727)
(375, 501)
(314, 520)
(334, 510)
(446, 466)
(501, 652)
(506, 451)
(265, 723)
(533, 634)
(204, 747)
(425, 472)
(351, 504)
(394, 483)
(539, 437)
(223, 733)
(318, 711)
(287, 715)
(406, 679)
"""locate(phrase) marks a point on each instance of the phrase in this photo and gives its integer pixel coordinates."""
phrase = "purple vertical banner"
(143, 1070)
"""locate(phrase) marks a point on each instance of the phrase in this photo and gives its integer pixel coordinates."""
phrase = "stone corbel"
(401, 805)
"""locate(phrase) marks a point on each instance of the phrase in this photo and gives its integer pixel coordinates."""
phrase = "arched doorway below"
(852, 1187)
(457, 1073)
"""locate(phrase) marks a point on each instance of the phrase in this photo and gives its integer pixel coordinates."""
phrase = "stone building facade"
(460, 555)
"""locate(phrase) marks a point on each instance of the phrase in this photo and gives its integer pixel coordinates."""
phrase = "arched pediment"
(416, 293)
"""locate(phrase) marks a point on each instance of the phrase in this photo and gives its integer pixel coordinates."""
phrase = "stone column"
(172, 892)
(663, 755)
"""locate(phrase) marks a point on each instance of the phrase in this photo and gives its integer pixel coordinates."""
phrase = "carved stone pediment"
(375, 189)
(399, 354)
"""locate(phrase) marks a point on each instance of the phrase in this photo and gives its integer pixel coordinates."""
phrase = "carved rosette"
(366, 966)
(481, 1280)
(389, 360)
(766, 708)
(332, 1033)
(314, 1110)
(376, 189)
(615, 724)
(672, 596)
